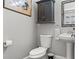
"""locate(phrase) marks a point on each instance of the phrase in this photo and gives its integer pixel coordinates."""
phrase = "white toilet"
(45, 41)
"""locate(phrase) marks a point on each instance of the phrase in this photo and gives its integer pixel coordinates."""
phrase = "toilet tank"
(46, 41)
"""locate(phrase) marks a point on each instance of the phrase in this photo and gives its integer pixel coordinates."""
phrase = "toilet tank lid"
(45, 35)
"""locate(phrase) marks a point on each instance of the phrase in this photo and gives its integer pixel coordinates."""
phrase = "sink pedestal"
(70, 50)
(69, 39)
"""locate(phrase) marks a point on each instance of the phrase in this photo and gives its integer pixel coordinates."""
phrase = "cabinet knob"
(43, 18)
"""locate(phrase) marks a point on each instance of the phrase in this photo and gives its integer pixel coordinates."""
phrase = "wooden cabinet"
(45, 11)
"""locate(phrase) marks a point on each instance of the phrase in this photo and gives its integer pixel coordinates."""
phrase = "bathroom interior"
(33, 36)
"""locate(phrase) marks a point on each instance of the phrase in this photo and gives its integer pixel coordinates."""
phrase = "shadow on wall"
(4, 49)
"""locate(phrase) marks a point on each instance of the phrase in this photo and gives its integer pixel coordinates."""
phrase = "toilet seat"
(38, 52)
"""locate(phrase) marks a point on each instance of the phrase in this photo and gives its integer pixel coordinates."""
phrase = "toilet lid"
(37, 51)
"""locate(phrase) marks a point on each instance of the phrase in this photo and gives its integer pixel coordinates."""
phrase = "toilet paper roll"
(7, 43)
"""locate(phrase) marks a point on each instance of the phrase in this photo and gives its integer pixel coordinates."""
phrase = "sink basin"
(67, 37)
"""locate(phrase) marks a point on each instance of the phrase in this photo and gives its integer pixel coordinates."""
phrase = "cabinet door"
(41, 12)
(44, 12)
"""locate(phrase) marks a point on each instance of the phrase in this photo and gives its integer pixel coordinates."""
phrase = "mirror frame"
(62, 14)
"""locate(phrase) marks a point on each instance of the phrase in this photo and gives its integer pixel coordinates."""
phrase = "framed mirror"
(68, 13)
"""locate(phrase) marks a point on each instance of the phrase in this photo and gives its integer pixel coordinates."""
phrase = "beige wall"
(21, 30)
(58, 47)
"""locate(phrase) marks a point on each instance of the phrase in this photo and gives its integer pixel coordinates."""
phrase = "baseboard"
(59, 57)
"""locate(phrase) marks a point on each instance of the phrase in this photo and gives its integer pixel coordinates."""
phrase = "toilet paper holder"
(7, 43)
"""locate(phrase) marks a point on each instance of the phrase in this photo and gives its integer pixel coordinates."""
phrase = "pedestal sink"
(69, 38)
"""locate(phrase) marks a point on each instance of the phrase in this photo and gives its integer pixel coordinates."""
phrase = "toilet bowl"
(38, 52)
(45, 41)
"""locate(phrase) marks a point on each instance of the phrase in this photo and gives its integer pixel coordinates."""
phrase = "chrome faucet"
(72, 32)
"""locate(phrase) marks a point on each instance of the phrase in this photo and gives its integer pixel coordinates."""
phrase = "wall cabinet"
(45, 11)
